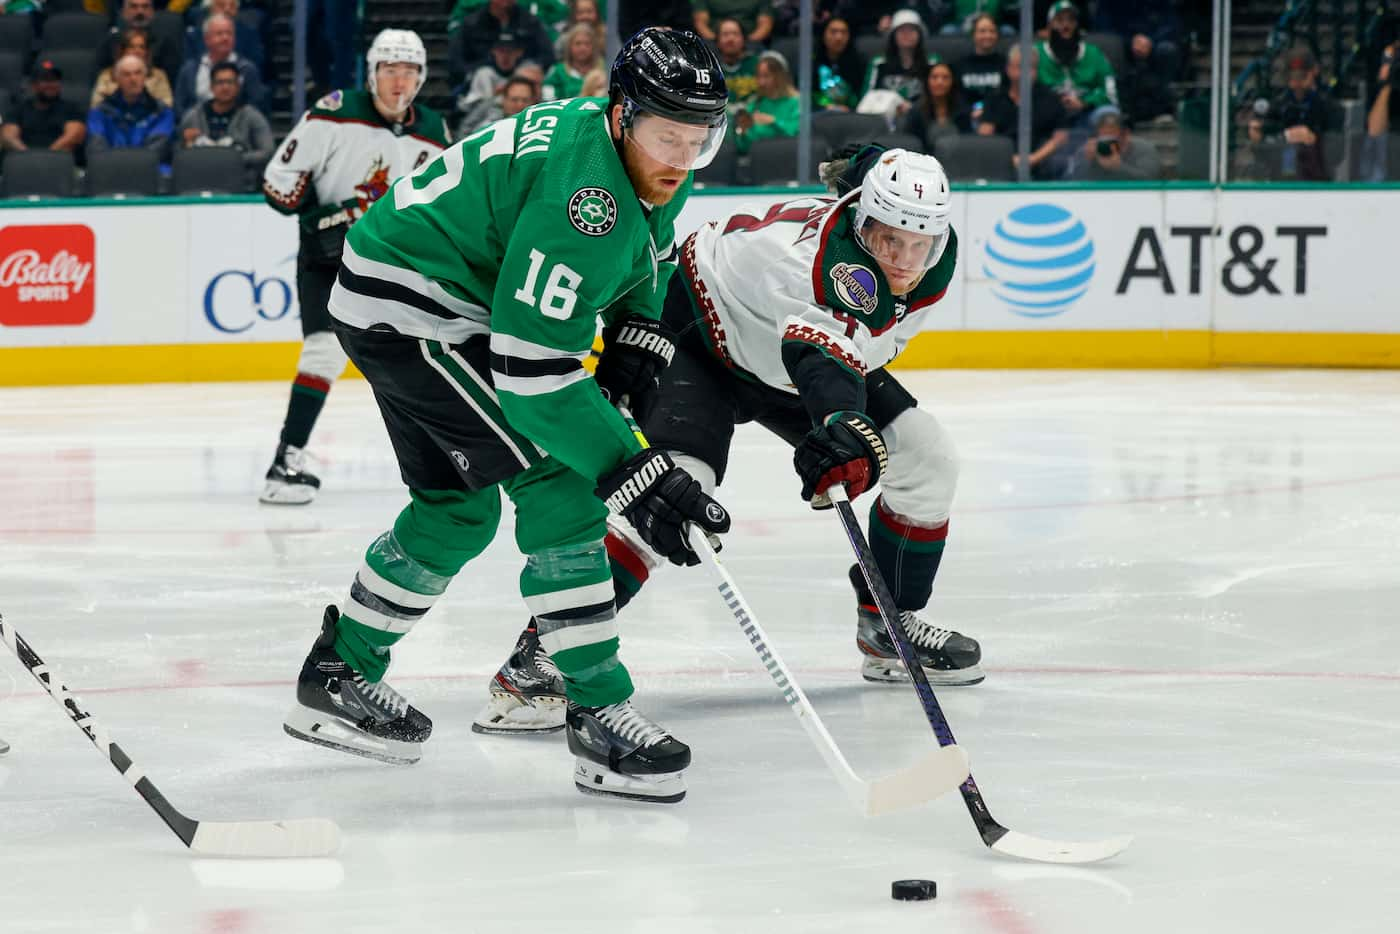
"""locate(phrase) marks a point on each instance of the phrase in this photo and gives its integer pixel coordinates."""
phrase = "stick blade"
(1024, 846)
(937, 773)
(283, 839)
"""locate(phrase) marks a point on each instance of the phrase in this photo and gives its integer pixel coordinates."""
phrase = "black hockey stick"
(313, 836)
(937, 773)
(993, 834)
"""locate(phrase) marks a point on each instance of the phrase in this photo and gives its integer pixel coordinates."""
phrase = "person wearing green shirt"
(755, 17)
(740, 68)
(469, 297)
(1076, 70)
(774, 110)
(580, 56)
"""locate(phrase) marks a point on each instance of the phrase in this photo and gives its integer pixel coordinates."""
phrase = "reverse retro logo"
(856, 286)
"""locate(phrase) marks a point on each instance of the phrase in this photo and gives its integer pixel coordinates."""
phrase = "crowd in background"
(173, 74)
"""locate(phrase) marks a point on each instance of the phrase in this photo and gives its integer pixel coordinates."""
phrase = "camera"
(1106, 145)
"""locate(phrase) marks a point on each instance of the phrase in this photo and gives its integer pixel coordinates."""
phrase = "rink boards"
(1048, 276)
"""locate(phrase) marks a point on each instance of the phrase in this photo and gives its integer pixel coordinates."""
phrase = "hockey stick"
(935, 774)
(993, 834)
(312, 836)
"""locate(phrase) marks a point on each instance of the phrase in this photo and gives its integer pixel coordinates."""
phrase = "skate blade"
(891, 671)
(312, 726)
(276, 493)
(663, 788)
(511, 715)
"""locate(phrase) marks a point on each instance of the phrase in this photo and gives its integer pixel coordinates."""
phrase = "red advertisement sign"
(47, 275)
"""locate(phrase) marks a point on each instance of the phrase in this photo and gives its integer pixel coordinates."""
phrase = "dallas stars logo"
(593, 211)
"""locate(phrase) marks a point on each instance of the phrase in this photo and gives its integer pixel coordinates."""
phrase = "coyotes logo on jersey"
(375, 185)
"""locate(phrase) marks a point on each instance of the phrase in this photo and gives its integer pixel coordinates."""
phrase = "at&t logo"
(1040, 259)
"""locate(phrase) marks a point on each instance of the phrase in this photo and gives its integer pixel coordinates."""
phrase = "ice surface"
(1187, 588)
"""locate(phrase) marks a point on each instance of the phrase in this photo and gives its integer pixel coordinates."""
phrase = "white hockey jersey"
(342, 149)
(794, 271)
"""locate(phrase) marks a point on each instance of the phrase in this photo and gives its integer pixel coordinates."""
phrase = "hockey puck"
(913, 890)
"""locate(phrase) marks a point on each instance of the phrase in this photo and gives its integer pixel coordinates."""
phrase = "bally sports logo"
(46, 275)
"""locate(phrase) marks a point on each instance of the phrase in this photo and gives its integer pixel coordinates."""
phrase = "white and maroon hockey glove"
(847, 449)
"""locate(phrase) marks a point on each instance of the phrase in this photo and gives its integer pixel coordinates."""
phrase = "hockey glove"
(658, 498)
(845, 449)
(635, 351)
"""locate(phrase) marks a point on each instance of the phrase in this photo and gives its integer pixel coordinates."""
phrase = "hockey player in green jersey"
(469, 297)
(339, 159)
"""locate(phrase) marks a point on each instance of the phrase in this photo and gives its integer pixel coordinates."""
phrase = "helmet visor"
(903, 250)
(680, 145)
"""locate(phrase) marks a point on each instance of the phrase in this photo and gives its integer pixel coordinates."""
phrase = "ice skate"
(948, 657)
(287, 481)
(620, 753)
(337, 707)
(4, 747)
(527, 694)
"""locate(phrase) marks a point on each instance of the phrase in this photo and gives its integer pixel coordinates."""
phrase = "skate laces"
(546, 664)
(383, 695)
(624, 720)
(924, 633)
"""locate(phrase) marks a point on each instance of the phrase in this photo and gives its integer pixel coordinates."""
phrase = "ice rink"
(1186, 586)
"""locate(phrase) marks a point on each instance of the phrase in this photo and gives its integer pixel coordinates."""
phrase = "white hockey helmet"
(907, 191)
(396, 45)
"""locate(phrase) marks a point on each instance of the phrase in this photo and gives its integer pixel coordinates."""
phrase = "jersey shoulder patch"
(331, 102)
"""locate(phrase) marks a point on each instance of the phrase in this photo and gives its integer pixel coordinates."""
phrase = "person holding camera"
(1299, 116)
(1112, 155)
(1380, 121)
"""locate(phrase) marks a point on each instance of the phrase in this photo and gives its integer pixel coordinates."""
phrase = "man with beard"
(44, 120)
(1076, 70)
(469, 297)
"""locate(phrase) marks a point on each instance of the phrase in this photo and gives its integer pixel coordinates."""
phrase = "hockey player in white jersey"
(341, 156)
(787, 314)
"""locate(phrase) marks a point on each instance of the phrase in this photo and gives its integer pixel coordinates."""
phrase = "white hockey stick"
(937, 773)
(993, 834)
(305, 837)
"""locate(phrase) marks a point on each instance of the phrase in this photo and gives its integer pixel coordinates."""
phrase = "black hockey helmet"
(675, 75)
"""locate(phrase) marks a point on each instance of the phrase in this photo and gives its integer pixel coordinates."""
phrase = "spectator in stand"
(1112, 155)
(941, 110)
(1153, 35)
(981, 72)
(472, 38)
(1381, 121)
(1000, 116)
(130, 117)
(482, 96)
(755, 18)
(44, 120)
(903, 69)
(963, 15)
(246, 39)
(774, 110)
(595, 84)
(1075, 69)
(518, 93)
(29, 8)
(134, 41)
(581, 55)
(632, 15)
(224, 120)
(192, 87)
(1300, 114)
(740, 68)
(838, 70)
(583, 12)
(165, 54)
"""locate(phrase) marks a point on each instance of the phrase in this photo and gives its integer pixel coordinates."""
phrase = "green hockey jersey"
(527, 230)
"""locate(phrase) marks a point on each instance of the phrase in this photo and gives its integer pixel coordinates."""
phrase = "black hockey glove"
(846, 449)
(635, 351)
(658, 498)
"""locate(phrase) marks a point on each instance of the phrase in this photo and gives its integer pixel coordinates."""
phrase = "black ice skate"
(622, 754)
(287, 482)
(948, 657)
(527, 694)
(337, 707)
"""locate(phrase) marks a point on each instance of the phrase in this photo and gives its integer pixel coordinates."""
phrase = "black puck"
(913, 890)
